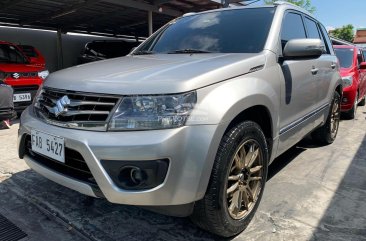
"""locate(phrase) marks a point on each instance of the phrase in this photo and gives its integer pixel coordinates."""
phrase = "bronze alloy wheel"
(335, 118)
(244, 180)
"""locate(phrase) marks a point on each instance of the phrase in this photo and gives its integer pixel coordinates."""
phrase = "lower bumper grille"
(74, 166)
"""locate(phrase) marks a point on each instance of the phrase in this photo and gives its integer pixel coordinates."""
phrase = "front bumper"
(190, 150)
(348, 98)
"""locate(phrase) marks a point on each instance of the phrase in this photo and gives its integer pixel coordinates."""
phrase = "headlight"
(153, 112)
(37, 95)
(43, 74)
(347, 81)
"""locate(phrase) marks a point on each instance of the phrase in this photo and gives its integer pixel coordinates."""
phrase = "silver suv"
(188, 123)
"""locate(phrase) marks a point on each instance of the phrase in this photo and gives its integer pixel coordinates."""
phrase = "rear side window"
(292, 28)
(328, 43)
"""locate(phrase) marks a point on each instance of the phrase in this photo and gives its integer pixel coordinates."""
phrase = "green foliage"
(306, 4)
(345, 33)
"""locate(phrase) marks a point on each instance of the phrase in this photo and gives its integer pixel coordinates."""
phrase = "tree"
(345, 33)
(306, 4)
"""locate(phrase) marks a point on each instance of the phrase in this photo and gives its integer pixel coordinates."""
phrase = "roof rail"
(284, 2)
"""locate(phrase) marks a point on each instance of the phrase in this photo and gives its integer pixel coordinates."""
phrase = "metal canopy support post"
(60, 55)
(150, 22)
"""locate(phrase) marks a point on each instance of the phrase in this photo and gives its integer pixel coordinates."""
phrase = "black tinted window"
(312, 29)
(292, 28)
(345, 57)
(231, 31)
(10, 54)
(327, 42)
(29, 50)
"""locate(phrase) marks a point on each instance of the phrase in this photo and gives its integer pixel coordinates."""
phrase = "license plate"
(22, 97)
(48, 145)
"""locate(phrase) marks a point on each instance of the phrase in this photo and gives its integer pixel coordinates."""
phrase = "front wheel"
(351, 114)
(237, 182)
(327, 133)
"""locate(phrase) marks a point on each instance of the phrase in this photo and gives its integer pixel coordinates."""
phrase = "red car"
(353, 72)
(34, 55)
(24, 77)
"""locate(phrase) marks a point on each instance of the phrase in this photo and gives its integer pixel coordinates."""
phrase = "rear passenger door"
(300, 95)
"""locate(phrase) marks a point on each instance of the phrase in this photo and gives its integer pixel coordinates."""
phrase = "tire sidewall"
(248, 130)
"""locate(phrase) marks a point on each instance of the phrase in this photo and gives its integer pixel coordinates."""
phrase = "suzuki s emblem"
(16, 75)
(61, 106)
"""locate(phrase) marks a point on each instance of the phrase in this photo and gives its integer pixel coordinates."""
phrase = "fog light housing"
(136, 175)
(344, 100)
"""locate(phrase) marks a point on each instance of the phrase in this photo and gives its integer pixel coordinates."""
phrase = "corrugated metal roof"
(103, 17)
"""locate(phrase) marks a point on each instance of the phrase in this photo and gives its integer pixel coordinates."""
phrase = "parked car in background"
(106, 49)
(34, 55)
(188, 123)
(353, 72)
(24, 77)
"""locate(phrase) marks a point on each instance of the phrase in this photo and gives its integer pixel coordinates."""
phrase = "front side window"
(229, 31)
(10, 54)
(292, 28)
(312, 29)
(345, 57)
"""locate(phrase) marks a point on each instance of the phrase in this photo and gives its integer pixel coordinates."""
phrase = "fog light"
(344, 100)
(136, 175)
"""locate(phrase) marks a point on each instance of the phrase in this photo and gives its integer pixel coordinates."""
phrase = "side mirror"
(363, 65)
(302, 48)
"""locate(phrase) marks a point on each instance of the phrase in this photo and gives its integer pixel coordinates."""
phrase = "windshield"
(345, 57)
(230, 31)
(10, 54)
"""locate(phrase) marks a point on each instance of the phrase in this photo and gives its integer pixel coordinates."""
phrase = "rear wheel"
(327, 133)
(237, 182)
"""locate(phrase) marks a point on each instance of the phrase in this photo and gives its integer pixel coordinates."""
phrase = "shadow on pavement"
(345, 217)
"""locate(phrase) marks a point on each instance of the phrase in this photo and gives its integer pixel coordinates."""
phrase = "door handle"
(333, 66)
(314, 70)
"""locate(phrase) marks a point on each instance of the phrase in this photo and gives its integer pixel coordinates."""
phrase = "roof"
(104, 17)
(359, 40)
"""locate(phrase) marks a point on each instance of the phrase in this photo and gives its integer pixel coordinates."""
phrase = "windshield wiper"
(189, 51)
(143, 52)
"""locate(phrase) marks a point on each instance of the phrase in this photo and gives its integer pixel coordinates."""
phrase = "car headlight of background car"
(43, 74)
(153, 112)
(347, 81)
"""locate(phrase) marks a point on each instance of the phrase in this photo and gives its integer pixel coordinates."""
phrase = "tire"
(217, 212)
(351, 114)
(363, 101)
(327, 133)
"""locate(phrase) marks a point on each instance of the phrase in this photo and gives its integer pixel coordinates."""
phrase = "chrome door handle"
(314, 71)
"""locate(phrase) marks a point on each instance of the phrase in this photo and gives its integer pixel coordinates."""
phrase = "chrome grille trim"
(86, 111)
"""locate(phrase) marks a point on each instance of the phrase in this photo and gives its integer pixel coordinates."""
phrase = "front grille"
(21, 75)
(25, 88)
(74, 166)
(82, 110)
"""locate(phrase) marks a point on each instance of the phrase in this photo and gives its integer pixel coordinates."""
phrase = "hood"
(347, 71)
(154, 74)
(11, 68)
